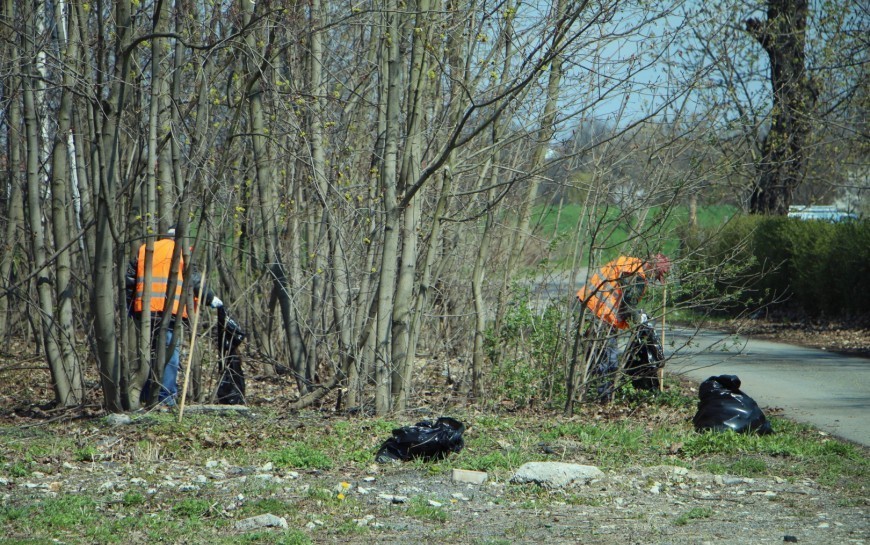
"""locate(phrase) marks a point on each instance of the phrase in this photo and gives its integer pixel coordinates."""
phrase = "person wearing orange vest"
(161, 262)
(612, 295)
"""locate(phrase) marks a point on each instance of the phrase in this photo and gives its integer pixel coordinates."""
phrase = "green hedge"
(812, 266)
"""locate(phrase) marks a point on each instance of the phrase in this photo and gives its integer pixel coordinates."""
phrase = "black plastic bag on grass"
(723, 406)
(426, 440)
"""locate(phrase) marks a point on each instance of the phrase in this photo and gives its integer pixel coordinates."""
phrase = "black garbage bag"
(423, 440)
(644, 358)
(229, 335)
(723, 406)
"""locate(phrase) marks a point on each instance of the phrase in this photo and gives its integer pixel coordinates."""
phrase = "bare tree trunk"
(269, 211)
(61, 205)
(103, 299)
(391, 76)
(14, 212)
(419, 92)
(63, 388)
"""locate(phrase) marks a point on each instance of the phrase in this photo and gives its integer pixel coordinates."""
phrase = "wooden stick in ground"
(192, 346)
(664, 313)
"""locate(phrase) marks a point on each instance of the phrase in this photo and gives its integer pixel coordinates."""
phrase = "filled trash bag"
(723, 406)
(229, 335)
(644, 357)
(423, 440)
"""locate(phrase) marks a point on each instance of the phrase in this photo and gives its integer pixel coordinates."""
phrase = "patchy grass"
(331, 455)
(693, 514)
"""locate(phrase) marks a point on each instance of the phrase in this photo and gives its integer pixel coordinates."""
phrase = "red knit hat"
(660, 265)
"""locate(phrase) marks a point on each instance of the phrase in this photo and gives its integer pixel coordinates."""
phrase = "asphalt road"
(828, 390)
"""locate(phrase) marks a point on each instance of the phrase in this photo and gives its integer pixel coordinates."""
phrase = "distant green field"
(661, 228)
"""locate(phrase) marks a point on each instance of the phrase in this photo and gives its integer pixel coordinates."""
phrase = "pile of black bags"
(723, 406)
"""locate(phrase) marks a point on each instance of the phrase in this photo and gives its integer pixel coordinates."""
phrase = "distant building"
(823, 213)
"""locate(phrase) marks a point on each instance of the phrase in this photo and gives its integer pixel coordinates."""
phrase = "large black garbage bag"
(424, 440)
(229, 335)
(723, 406)
(644, 357)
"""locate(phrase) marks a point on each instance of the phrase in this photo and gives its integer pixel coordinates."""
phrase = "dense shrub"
(815, 267)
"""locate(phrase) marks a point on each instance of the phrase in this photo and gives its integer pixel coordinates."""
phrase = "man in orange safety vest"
(612, 295)
(160, 302)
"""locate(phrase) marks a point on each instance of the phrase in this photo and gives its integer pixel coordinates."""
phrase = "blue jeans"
(169, 384)
(169, 381)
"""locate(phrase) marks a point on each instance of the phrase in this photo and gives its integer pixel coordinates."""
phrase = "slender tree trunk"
(270, 209)
(103, 298)
(390, 72)
(9, 247)
(61, 204)
(419, 93)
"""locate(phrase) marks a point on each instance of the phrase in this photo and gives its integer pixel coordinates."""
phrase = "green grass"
(693, 514)
(420, 508)
(617, 228)
(301, 456)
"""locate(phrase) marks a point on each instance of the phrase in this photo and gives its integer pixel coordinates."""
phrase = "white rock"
(393, 498)
(433, 503)
(267, 466)
(468, 476)
(555, 474)
(262, 521)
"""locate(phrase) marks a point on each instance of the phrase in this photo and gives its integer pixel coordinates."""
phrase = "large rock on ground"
(555, 474)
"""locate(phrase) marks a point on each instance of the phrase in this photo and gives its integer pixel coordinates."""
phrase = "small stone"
(433, 503)
(362, 490)
(770, 494)
(790, 539)
(362, 522)
(393, 498)
(116, 419)
(310, 526)
(469, 477)
(462, 497)
(823, 525)
(368, 479)
(267, 520)
(656, 488)
(211, 464)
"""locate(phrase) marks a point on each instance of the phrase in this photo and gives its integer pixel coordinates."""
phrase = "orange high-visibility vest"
(603, 295)
(160, 269)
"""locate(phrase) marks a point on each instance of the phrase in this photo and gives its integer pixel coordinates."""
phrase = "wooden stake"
(192, 345)
(664, 313)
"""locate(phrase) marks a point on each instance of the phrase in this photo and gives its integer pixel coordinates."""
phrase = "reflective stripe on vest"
(161, 262)
(602, 294)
